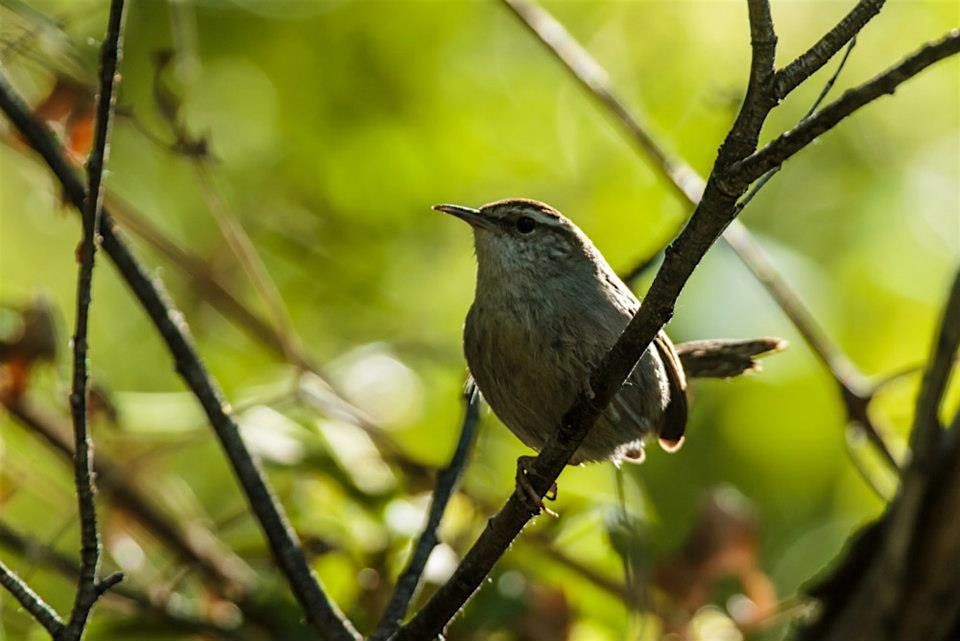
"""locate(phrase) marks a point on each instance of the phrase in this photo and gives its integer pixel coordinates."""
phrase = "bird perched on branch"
(547, 309)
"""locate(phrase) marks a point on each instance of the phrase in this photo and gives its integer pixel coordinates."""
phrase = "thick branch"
(446, 482)
(791, 76)
(789, 143)
(899, 578)
(88, 587)
(926, 423)
(284, 545)
(925, 439)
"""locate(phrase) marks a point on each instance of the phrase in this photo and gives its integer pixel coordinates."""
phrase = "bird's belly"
(529, 390)
(531, 379)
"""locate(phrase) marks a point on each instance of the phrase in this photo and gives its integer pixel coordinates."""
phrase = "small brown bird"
(547, 309)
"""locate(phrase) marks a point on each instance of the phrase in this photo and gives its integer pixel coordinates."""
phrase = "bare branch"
(926, 424)
(789, 143)
(323, 614)
(790, 77)
(43, 613)
(89, 588)
(446, 481)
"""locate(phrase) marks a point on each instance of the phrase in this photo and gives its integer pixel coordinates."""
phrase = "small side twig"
(89, 587)
(791, 76)
(446, 482)
(787, 144)
(31, 602)
(816, 104)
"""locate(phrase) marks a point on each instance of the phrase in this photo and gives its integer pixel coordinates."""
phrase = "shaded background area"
(330, 129)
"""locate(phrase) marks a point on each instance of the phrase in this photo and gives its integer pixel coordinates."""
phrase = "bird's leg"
(526, 490)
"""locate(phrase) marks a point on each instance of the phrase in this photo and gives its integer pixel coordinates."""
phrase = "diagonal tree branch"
(89, 587)
(446, 482)
(689, 186)
(791, 76)
(789, 143)
(31, 602)
(287, 552)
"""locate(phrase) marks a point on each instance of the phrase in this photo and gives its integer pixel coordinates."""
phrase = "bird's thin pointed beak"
(468, 214)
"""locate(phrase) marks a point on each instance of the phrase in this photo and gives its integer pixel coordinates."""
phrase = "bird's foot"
(532, 499)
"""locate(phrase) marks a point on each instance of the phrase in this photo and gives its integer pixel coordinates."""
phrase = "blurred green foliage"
(334, 126)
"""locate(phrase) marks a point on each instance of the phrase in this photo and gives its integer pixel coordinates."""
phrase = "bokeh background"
(329, 129)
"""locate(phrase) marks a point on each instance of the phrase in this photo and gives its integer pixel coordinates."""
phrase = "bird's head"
(520, 238)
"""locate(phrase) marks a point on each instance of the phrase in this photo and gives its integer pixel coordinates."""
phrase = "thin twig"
(885, 380)
(786, 145)
(319, 610)
(755, 189)
(446, 482)
(31, 602)
(89, 587)
(790, 77)
(246, 254)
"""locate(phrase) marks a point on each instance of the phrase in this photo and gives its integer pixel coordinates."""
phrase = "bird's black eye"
(525, 224)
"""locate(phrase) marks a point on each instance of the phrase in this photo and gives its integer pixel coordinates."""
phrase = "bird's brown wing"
(675, 415)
